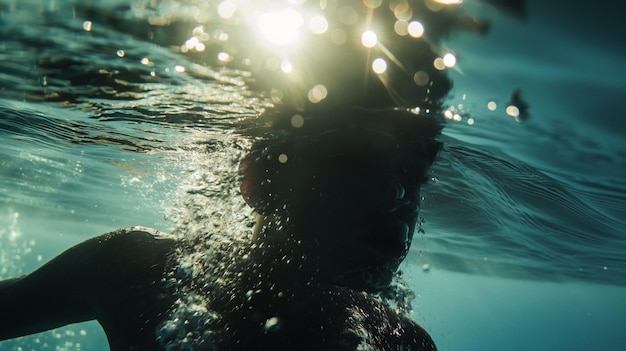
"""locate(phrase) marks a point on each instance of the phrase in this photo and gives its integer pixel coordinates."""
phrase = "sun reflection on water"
(370, 53)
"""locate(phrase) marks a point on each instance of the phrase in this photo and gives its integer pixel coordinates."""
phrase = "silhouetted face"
(350, 200)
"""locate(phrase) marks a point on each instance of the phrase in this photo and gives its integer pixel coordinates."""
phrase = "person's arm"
(89, 281)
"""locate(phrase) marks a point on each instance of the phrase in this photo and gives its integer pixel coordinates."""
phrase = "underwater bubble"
(271, 324)
(87, 26)
(512, 111)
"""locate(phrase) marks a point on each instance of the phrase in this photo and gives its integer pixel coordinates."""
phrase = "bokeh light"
(449, 60)
(379, 66)
(317, 93)
(416, 29)
(226, 9)
(318, 24)
(369, 39)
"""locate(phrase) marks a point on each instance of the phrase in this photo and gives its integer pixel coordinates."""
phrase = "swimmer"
(334, 222)
(337, 204)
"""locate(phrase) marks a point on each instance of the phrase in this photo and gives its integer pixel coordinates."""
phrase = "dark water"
(112, 125)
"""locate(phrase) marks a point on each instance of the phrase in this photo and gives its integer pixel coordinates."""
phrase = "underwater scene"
(239, 126)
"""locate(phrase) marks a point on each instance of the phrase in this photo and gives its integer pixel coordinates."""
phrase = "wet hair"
(290, 143)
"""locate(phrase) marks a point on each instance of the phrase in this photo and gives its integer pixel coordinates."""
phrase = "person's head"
(342, 189)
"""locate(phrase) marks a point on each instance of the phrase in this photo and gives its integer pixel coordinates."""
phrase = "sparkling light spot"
(200, 47)
(297, 121)
(282, 27)
(438, 63)
(145, 61)
(449, 2)
(416, 29)
(87, 25)
(470, 121)
(491, 105)
(372, 4)
(224, 57)
(421, 78)
(449, 60)
(317, 93)
(318, 24)
(286, 66)
(401, 27)
(271, 323)
(120, 53)
(191, 43)
(379, 66)
(282, 158)
(512, 111)
(226, 9)
(369, 39)
(403, 11)
(179, 69)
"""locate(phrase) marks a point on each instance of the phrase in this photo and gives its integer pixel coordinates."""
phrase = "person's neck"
(279, 255)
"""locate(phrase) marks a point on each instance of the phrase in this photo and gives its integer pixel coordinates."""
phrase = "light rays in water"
(299, 42)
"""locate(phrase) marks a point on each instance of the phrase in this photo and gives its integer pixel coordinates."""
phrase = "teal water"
(524, 221)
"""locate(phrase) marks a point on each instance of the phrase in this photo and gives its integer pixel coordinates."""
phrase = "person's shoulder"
(136, 233)
(381, 327)
(136, 245)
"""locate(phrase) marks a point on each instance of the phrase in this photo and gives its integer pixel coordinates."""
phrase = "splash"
(13, 250)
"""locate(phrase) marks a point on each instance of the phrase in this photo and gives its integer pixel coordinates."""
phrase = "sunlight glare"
(286, 66)
(449, 2)
(281, 27)
(449, 60)
(379, 66)
(369, 39)
(416, 29)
